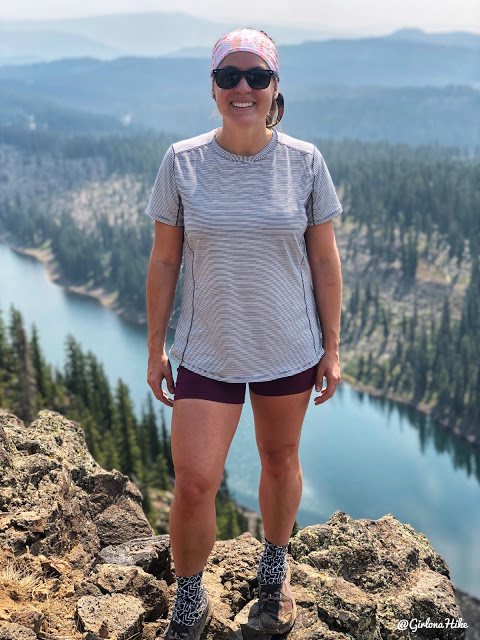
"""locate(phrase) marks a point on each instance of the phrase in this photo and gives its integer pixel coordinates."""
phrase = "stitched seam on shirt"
(193, 301)
(303, 152)
(306, 306)
(176, 187)
(198, 146)
(313, 188)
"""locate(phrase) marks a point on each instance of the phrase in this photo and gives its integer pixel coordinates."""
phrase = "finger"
(159, 393)
(169, 379)
(319, 382)
(165, 399)
(326, 394)
(156, 387)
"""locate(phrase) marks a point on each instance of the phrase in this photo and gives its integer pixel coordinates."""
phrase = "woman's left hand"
(329, 367)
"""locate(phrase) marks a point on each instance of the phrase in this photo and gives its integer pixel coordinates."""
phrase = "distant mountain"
(139, 34)
(164, 33)
(23, 47)
(384, 61)
(136, 94)
(451, 39)
(191, 52)
(370, 88)
(19, 110)
(462, 39)
(304, 67)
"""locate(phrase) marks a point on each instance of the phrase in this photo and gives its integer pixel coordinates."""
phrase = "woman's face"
(243, 94)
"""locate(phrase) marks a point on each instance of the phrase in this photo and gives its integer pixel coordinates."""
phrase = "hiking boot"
(276, 606)
(177, 631)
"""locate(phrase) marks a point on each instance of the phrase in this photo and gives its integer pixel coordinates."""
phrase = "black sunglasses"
(257, 78)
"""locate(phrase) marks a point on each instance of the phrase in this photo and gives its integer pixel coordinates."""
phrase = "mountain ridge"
(163, 33)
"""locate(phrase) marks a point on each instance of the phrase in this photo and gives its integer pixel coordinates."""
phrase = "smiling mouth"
(242, 105)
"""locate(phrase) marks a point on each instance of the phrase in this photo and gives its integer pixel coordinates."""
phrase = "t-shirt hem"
(262, 378)
(162, 218)
(330, 216)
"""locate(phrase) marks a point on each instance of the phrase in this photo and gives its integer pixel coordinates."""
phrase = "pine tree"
(128, 449)
(43, 375)
(160, 477)
(109, 458)
(76, 371)
(166, 443)
(24, 387)
(149, 430)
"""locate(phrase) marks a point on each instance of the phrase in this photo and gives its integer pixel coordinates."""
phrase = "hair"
(277, 103)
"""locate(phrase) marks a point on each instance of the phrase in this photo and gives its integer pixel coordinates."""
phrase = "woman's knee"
(277, 461)
(195, 487)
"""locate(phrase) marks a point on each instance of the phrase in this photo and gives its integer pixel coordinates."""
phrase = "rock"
(7, 449)
(121, 521)
(117, 614)
(59, 500)
(90, 559)
(29, 617)
(14, 631)
(153, 593)
(152, 554)
(470, 607)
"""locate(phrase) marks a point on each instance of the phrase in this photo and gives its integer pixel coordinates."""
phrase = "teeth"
(243, 104)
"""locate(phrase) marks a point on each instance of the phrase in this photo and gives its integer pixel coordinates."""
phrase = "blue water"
(365, 456)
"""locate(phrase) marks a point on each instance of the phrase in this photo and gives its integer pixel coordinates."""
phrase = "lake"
(359, 454)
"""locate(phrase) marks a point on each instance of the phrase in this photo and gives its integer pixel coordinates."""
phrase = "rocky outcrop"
(79, 560)
(55, 500)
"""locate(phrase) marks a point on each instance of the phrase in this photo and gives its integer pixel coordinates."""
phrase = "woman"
(253, 211)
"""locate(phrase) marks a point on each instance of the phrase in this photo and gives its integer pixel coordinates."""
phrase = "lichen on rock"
(80, 559)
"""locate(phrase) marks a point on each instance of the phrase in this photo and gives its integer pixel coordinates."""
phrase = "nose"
(243, 86)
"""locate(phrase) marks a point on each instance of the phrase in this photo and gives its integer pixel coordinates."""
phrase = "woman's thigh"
(201, 434)
(278, 425)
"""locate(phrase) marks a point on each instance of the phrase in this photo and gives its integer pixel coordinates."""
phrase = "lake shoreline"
(422, 407)
(108, 300)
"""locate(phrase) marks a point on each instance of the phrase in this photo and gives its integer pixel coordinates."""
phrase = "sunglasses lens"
(229, 78)
(258, 79)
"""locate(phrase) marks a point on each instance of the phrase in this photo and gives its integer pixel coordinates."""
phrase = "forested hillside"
(137, 446)
(408, 238)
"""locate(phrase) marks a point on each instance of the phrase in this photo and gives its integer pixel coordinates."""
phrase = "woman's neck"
(243, 142)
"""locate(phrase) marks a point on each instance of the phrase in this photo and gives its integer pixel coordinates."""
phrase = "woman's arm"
(325, 268)
(163, 268)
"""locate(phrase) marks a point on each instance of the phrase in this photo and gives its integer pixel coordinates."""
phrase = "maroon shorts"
(193, 385)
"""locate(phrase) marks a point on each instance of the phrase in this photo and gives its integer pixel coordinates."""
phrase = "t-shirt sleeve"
(323, 203)
(165, 204)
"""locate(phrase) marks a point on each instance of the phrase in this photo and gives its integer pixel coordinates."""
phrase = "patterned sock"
(191, 599)
(273, 564)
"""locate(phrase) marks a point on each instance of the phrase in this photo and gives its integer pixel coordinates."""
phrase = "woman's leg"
(278, 425)
(201, 434)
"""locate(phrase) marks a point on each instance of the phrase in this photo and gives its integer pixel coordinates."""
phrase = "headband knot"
(246, 39)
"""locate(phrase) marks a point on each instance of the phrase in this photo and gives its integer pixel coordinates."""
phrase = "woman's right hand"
(159, 367)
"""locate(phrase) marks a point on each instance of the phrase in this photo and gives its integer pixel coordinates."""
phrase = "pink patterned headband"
(246, 40)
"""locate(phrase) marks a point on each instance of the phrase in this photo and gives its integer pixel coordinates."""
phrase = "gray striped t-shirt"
(248, 310)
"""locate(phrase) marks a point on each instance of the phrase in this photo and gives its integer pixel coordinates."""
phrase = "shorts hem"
(286, 374)
(204, 397)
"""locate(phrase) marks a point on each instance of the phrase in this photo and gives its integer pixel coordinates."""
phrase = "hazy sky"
(344, 15)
